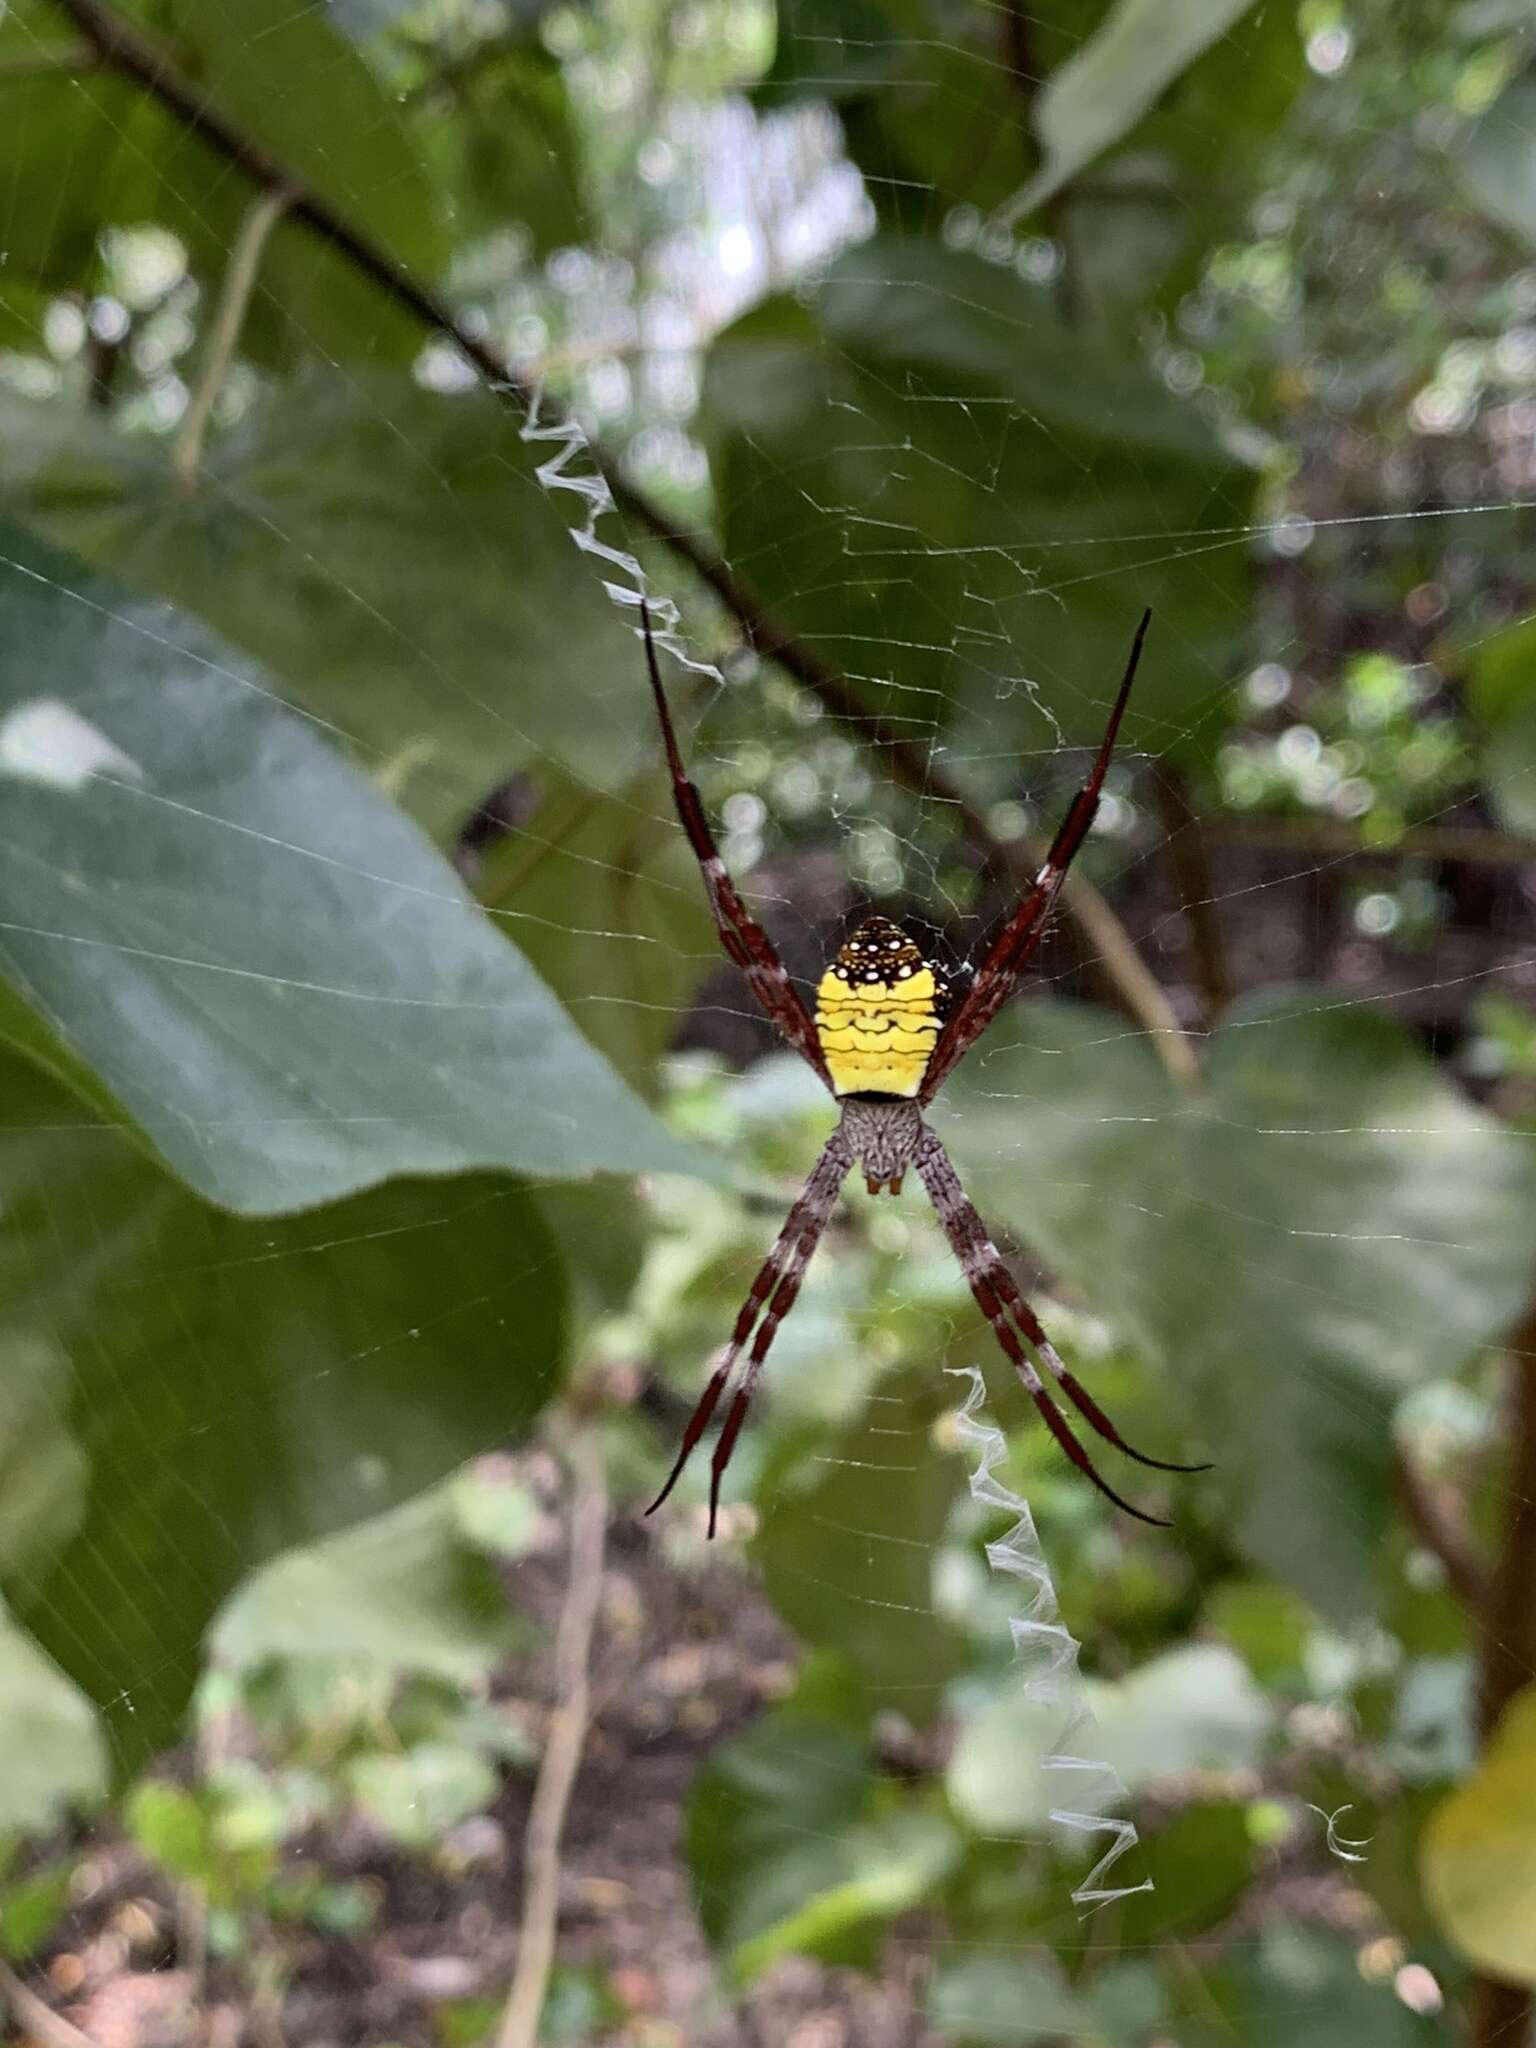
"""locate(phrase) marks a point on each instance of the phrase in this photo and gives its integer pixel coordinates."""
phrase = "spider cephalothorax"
(885, 1035)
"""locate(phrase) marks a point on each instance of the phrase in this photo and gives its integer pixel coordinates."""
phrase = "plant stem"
(261, 217)
(567, 1731)
(1440, 1526)
(1120, 969)
(45, 2026)
(1501, 2012)
(1186, 850)
(1481, 845)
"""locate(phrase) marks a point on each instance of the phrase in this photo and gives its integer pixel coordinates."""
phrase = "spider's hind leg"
(1071, 1386)
(999, 1298)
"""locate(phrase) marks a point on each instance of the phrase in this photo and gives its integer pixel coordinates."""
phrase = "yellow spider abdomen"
(878, 1013)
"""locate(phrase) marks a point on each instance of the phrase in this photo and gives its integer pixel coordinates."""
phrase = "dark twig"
(1438, 1522)
(1482, 846)
(1187, 851)
(1127, 980)
(563, 1743)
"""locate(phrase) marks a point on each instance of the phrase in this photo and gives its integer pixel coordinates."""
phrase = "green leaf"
(174, 1829)
(401, 1592)
(244, 1387)
(1265, 1623)
(84, 152)
(1201, 1861)
(502, 142)
(1003, 2002)
(1192, 1708)
(791, 1850)
(1002, 561)
(1304, 1984)
(1496, 159)
(42, 1470)
(1478, 1859)
(848, 1559)
(32, 1907)
(1093, 100)
(493, 1511)
(942, 111)
(281, 982)
(1501, 674)
(612, 876)
(418, 592)
(1322, 1227)
(995, 1776)
(417, 1797)
(55, 1759)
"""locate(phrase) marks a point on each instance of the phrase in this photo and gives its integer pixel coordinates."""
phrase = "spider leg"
(746, 944)
(1086, 1406)
(1010, 951)
(770, 1296)
(993, 1287)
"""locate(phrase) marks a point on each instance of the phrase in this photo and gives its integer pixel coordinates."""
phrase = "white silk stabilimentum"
(1047, 1656)
(558, 473)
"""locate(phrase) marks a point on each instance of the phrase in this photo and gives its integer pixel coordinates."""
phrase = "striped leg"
(1006, 957)
(771, 1296)
(998, 1297)
(744, 940)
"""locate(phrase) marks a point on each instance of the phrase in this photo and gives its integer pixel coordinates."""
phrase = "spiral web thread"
(570, 468)
(1047, 1654)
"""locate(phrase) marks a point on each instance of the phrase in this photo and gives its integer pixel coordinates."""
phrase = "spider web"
(815, 823)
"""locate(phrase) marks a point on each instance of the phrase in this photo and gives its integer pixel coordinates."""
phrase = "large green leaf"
(415, 589)
(1299, 1983)
(848, 1544)
(1323, 1227)
(1193, 1708)
(83, 152)
(55, 1758)
(1000, 2001)
(1501, 677)
(603, 896)
(404, 1591)
(1103, 90)
(278, 979)
(241, 1387)
(1496, 159)
(1478, 1857)
(965, 505)
(792, 1848)
(945, 108)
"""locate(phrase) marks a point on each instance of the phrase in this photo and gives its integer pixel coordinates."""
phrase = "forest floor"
(681, 1662)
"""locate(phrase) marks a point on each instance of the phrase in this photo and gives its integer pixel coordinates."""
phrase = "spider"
(887, 1030)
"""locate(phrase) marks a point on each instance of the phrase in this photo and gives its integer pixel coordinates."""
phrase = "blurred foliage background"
(385, 1147)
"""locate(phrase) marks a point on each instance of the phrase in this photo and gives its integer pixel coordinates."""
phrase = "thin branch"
(1127, 981)
(519, 2026)
(1438, 1522)
(1501, 2011)
(261, 217)
(48, 2028)
(1187, 851)
(1482, 846)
